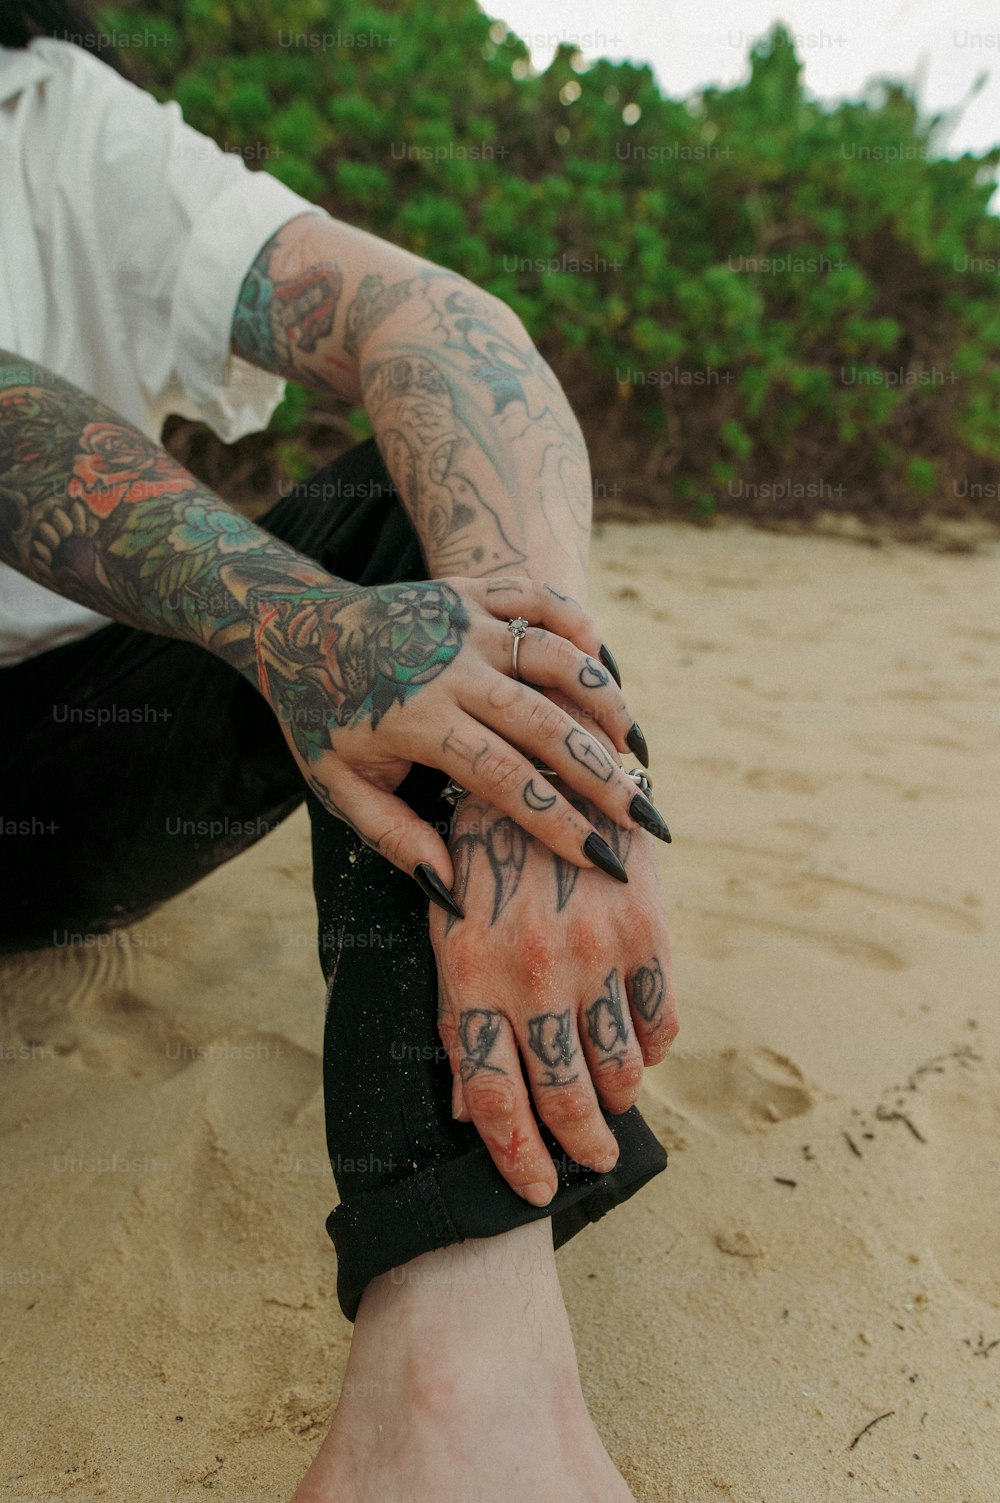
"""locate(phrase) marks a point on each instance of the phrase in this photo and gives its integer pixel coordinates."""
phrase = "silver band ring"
(517, 627)
(453, 792)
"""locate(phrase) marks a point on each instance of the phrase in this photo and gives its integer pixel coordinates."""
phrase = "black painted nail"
(607, 659)
(636, 743)
(432, 887)
(645, 814)
(603, 856)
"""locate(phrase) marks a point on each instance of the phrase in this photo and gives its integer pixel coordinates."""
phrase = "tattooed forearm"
(478, 1030)
(496, 375)
(476, 430)
(474, 427)
(94, 510)
(606, 1025)
(550, 1036)
(372, 304)
(437, 467)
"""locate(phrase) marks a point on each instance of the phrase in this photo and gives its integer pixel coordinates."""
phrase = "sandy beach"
(805, 1308)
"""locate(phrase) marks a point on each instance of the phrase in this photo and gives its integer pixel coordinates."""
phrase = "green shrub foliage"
(757, 303)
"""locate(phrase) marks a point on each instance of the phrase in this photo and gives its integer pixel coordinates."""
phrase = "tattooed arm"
(491, 466)
(476, 432)
(475, 429)
(94, 510)
(362, 680)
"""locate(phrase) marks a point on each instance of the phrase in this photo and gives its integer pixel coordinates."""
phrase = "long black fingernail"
(603, 856)
(636, 743)
(432, 887)
(645, 814)
(607, 659)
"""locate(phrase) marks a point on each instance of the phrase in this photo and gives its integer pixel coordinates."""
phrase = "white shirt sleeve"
(124, 240)
(154, 227)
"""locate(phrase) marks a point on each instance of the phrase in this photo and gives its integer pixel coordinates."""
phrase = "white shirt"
(124, 239)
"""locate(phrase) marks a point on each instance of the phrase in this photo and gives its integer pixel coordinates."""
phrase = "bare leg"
(462, 1387)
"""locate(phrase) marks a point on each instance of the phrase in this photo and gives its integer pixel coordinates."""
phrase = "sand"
(822, 1253)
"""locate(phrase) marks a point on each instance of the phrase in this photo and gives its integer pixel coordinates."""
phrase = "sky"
(936, 46)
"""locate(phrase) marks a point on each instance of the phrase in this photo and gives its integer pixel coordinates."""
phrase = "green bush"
(757, 303)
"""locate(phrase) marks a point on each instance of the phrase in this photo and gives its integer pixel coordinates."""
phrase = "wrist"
(274, 610)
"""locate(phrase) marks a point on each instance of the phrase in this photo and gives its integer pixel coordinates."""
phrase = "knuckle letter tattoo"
(551, 1039)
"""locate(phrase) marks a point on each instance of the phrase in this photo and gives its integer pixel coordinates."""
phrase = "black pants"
(132, 765)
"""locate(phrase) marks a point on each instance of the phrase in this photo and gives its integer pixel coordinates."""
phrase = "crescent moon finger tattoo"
(535, 799)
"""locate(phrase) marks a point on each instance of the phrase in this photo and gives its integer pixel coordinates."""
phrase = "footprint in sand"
(962, 1128)
(80, 1004)
(50, 995)
(946, 1117)
(731, 1090)
(47, 983)
(123, 1034)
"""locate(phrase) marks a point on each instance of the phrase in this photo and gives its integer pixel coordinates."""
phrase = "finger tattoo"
(591, 676)
(464, 749)
(478, 1029)
(589, 753)
(648, 991)
(550, 1037)
(606, 1024)
(535, 799)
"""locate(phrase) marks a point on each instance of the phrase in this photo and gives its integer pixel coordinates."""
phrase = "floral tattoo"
(92, 508)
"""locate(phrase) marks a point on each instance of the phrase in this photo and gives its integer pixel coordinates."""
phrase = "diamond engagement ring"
(517, 628)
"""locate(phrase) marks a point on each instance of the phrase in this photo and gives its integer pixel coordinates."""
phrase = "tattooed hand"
(366, 681)
(553, 966)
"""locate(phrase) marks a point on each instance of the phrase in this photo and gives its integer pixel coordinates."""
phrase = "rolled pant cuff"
(457, 1198)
